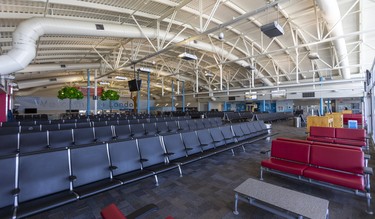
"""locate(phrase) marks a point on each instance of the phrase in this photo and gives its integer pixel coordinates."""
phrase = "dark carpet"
(206, 189)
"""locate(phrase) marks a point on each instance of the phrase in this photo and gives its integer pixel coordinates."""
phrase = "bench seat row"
(334, 167)
(203, 123)
(346, 136)
(37, 181)
(35, 141)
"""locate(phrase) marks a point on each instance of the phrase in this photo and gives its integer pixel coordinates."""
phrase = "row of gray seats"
(36, 141)
(270, 117)
(34, 182)
(123, 120)
(62, 126)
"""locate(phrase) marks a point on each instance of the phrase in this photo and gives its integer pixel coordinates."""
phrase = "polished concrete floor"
(206, 189)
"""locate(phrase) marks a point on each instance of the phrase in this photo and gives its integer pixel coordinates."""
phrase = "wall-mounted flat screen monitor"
(134, 85)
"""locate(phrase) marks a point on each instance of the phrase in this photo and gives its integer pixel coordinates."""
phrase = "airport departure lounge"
(185, 109)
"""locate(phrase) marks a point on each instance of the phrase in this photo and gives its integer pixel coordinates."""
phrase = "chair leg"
(180, 170)
(368, 209)
(232, 152)
(156, 180)
(261, 173)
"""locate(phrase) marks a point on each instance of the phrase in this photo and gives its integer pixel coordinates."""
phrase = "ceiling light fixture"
(187, 56)
(121, 78)
(313, 56)
(143, 69)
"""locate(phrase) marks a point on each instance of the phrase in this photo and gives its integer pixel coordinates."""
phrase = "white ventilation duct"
(28, 32)
(58, 67)
(331, 13)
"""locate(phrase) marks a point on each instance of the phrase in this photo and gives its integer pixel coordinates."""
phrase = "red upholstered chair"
(112, 212)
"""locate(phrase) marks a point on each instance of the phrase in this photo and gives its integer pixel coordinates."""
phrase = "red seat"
(295, 140)
(338, 178)
(350, 142)
(326, 132)
(292, 151)
(284, 166)
(112, 212)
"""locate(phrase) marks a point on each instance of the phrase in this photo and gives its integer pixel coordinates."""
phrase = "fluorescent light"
(209, 74)
(104, 83)
(143, 69)
(13, 84)
(313, 55)
(121, 78)
(187, 56)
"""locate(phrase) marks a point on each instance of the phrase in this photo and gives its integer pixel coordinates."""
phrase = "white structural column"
(96, 92)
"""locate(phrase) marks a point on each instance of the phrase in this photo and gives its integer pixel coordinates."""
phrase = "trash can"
(297, 122)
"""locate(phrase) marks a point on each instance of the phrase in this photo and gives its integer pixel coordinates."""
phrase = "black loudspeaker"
(272, 29)
(134, 85)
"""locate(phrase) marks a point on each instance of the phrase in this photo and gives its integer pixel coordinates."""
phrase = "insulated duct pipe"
(48, 81)
(331, 13)
(29, 31)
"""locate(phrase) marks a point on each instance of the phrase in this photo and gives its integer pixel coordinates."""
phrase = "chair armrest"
(204, 145)
(113, 167)
(168, 154)
(265, 152)
(189, 149)
(368, 170)
(72, 178)
(16, 191)
(143, 160)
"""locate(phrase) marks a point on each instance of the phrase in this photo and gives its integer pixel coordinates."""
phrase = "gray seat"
(60, 138)
(33, 141)
(43, 186)
(7, 185)
(122, 132)
(9, 144)
(125, 162)
(104, 133)
(153, 156)
(83, 136)
(91, 170)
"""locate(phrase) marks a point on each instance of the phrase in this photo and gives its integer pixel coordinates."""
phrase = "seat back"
(238, 132)
(151, 151)
(123, 122)
(60, 138)
(64, 126)
(84, 136)
(7, 182)
(217, 136)
(192, 125)
(191, 142)
(337, 145)
(162, 128)
(137, 130)
(172, 126)
(245, 129)
(199, 123)
(184, 125)
(50, 127)
(33, 141)
(99, 123)
(10, 130)
(30, 128)
(85, 124)
(352, 134)
(292, 151)
(42, 174)
(89, 164)
(150, 129)
(125, 156)
(228, 134)
(205, 139)
(122, 132)
(337, 158)
(295, 140)
(174, 146)
(207, 123)
(328, 132)
(9, 144)
(104, 133)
